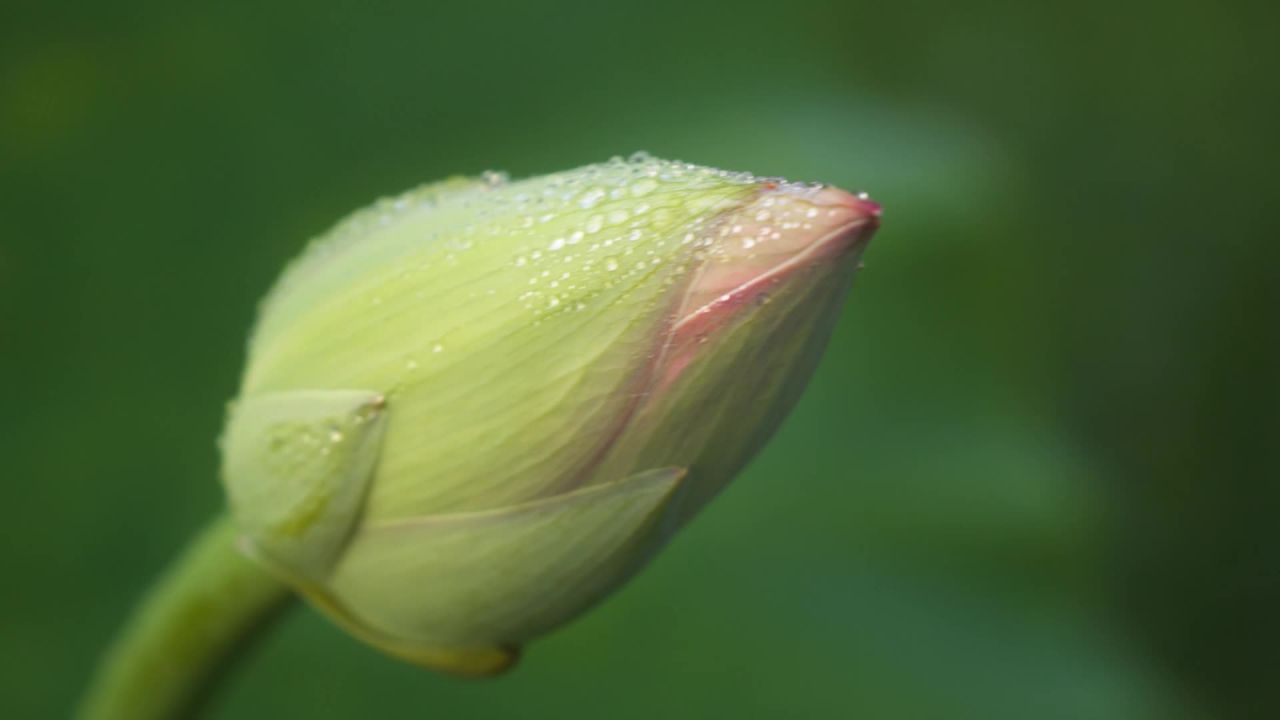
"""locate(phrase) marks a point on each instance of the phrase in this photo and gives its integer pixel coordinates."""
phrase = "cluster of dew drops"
(614, 223)
(585, 231)
(576, 234)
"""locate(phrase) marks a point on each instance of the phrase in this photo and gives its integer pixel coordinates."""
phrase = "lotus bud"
(472, 411)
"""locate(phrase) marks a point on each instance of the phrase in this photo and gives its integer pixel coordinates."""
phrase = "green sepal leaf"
(297, 469)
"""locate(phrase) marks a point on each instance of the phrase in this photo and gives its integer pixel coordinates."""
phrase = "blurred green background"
(1035, 476)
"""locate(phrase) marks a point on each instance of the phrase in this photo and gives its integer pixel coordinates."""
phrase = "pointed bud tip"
(831, 221)
(856, 209)
(851, 220)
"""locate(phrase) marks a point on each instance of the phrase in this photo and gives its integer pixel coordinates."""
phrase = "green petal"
(496, 578)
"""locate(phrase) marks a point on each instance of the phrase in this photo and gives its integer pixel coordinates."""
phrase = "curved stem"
(211, 603)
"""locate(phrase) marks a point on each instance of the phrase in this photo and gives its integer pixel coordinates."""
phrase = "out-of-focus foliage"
(1035, 476)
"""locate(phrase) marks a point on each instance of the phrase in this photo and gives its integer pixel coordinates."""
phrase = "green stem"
(211, 603)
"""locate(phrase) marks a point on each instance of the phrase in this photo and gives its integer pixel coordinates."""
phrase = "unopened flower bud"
(472, 411)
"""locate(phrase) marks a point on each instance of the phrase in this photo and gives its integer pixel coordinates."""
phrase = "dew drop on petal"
(591, 198)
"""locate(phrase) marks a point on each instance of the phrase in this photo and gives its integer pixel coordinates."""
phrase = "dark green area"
(1035, 477)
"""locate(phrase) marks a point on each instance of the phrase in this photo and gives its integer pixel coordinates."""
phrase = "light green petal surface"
(500, 577)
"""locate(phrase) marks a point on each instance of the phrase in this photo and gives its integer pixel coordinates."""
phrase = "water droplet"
(437, 348)
(591, 198)
(556, 244)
